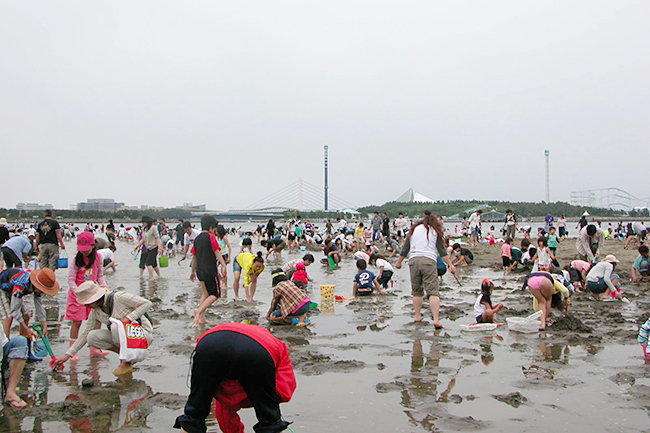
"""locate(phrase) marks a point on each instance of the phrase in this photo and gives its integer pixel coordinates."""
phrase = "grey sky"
(225, 103)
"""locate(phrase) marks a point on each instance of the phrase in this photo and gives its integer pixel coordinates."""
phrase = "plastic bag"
(133, 341)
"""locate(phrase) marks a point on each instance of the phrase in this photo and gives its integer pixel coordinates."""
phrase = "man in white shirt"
(474, 226)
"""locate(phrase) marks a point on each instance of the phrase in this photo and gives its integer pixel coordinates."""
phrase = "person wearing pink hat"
(86, 266)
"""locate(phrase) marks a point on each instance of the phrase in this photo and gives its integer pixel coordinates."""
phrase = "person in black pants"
(238, 365)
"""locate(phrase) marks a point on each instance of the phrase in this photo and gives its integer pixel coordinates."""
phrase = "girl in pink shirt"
(506, 256)
(86, 266)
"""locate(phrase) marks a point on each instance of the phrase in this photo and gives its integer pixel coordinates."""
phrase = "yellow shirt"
(246, 260)
(359, 232)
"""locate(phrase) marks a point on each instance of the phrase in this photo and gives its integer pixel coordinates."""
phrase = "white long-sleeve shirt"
(583, 243)
(602, 270)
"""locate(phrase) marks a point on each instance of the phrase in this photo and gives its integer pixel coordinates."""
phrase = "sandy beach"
(365, 366)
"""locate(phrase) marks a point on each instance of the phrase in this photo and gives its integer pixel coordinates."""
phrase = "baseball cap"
(85, 241)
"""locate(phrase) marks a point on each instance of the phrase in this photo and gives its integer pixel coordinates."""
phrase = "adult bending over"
(589, 242)
(602, 279)
(423, 245)
(238, 366)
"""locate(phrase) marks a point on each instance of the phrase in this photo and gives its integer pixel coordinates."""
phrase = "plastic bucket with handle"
(62, 263)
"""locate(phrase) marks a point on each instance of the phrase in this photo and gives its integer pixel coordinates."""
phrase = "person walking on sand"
(103, 305)
(510, 224)
(423, 246)
(151, 240)
(48, 240)
(205, 255)
(474, 227)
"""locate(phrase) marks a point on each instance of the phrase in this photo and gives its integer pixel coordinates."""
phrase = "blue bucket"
(303, 248)
(62, 263)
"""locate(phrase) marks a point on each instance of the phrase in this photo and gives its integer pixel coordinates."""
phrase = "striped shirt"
(126, 305)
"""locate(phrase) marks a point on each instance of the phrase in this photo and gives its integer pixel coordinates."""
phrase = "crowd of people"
(427, 246)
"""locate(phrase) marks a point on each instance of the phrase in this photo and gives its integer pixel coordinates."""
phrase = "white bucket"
(526, 325)
(521, 324)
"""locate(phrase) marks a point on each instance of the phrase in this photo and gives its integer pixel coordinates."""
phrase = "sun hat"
(586, 213)
(85, 241)
(89, 292)
(45, 281)
(611, 258)
(146, 219)
(300, 265)
(3, 221)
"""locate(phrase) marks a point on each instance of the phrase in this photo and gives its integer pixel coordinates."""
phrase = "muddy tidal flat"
(363, 365)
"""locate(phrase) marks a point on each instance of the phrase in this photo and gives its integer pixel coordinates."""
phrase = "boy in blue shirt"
(641, 266)
(364, 281)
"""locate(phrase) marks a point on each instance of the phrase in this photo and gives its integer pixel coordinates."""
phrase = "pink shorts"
(75, 311)
(536, 282)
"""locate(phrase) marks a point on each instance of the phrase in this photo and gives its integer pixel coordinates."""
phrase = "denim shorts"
(235, 264)
(16, 348)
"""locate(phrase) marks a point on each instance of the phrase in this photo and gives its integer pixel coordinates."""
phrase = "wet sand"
(365, 366)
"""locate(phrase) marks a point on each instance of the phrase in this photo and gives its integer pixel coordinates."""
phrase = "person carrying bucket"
(16, 283)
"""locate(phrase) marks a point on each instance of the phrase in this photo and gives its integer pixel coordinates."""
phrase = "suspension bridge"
(298, 196)
(301, 196)
(609, 198)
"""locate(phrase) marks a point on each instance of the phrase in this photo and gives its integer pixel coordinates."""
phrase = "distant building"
(411, 196)
(33, 206)
(191, 207)
(100, 204)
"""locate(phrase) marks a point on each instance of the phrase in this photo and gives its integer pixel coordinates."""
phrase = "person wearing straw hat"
(16, 283)
(125, 306)
(602, 279)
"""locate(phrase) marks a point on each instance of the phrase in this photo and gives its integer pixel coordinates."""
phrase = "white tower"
(548, 181)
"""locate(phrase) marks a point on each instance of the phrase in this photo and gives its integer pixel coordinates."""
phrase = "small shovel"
(38, 328)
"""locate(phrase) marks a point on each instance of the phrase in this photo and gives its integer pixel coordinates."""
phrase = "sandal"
(16, 404)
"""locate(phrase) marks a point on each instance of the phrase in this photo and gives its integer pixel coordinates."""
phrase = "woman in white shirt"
(423, 245)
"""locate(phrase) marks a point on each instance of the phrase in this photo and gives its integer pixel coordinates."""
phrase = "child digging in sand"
(643, 338)
(205, 253)
(483, 309)
(364, 281)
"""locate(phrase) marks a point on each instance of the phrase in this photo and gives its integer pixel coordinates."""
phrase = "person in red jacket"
(238, 366)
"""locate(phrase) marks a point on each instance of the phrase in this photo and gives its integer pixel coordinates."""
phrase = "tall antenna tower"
(548, 181)
(326, 187)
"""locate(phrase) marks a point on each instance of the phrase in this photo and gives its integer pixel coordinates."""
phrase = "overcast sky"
(225, 103)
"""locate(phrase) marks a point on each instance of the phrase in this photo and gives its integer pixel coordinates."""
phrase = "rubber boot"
(95, 352)
(76, 355)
